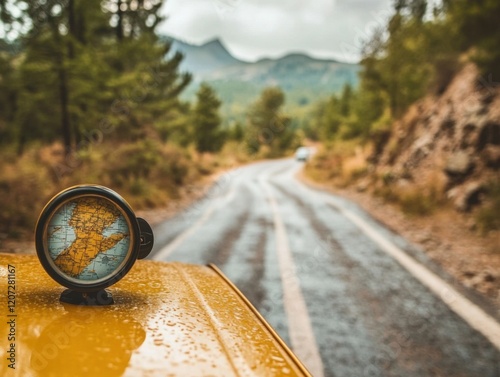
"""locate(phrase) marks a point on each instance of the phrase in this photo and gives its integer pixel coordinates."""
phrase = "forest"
(89, 92)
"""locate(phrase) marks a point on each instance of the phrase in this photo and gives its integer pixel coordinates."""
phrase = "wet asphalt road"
(368, 315)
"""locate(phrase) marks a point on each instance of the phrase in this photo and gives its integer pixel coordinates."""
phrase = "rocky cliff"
(450, 142)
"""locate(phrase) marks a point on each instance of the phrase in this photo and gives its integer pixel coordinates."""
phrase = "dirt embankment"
(448, 142)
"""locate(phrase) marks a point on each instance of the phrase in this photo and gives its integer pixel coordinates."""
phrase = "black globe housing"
(139, 247)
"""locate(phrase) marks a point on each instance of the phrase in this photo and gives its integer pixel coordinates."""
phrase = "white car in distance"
(302, 154)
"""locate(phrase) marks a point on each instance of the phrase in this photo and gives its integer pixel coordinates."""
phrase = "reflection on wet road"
(333, 282)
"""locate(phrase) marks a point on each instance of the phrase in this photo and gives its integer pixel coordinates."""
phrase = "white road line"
(229, 197)
(299, 324)
(470, 312)
(177, 241)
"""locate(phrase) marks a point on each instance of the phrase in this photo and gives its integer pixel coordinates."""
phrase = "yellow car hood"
(169, 319)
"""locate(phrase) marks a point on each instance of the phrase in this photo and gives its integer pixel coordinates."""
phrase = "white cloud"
(260, 28)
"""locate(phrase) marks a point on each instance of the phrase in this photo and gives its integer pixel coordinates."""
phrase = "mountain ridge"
(200, 59)
(303, 78)
(298, 54)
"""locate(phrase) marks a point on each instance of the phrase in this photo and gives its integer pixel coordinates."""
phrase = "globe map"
(88, 238)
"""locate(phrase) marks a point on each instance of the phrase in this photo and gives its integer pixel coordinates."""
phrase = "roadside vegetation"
(488, 217)
(365, 130)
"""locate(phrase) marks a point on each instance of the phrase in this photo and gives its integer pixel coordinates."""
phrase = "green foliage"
(304, 81)
(400, 68)
(7, 97)
(334, 117)
(133, 18)
(206, 121)
(477, 26)
(419, 50)
(89, 93)
(345, 102)
(237, 132)
(87, 61)
(267, 127)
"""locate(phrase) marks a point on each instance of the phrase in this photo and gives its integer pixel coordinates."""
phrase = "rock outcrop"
(453, 138)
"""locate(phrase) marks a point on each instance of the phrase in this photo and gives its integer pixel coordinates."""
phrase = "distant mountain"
(291, 72)
(304, 79)
(205, 58)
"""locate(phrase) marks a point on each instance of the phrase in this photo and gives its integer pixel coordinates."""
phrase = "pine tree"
(146, 83)
(206, 120)
(72, 64)
(267, 125)
(8, 97)
(478, 28)
(51, 71)
(132, 18)
(346, 100)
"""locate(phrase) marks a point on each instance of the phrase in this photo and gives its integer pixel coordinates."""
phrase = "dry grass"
(420, 198)
(148, 174)
(488, 217)
(340, 163)
(345, 164)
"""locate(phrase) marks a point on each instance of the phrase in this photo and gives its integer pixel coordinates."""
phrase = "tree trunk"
(63, 96)
(119, 26)
(72, 28)
(21, 143)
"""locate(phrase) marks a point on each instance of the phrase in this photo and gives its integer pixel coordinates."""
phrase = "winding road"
(349, 296)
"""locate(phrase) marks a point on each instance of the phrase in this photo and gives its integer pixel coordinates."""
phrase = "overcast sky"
(253, 29)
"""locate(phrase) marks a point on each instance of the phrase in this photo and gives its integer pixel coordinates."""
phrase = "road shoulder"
(466, 256)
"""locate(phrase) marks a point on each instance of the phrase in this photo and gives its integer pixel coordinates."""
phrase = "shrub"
(24, 188)
(132, 161)
(488, 217)
(418, 203)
